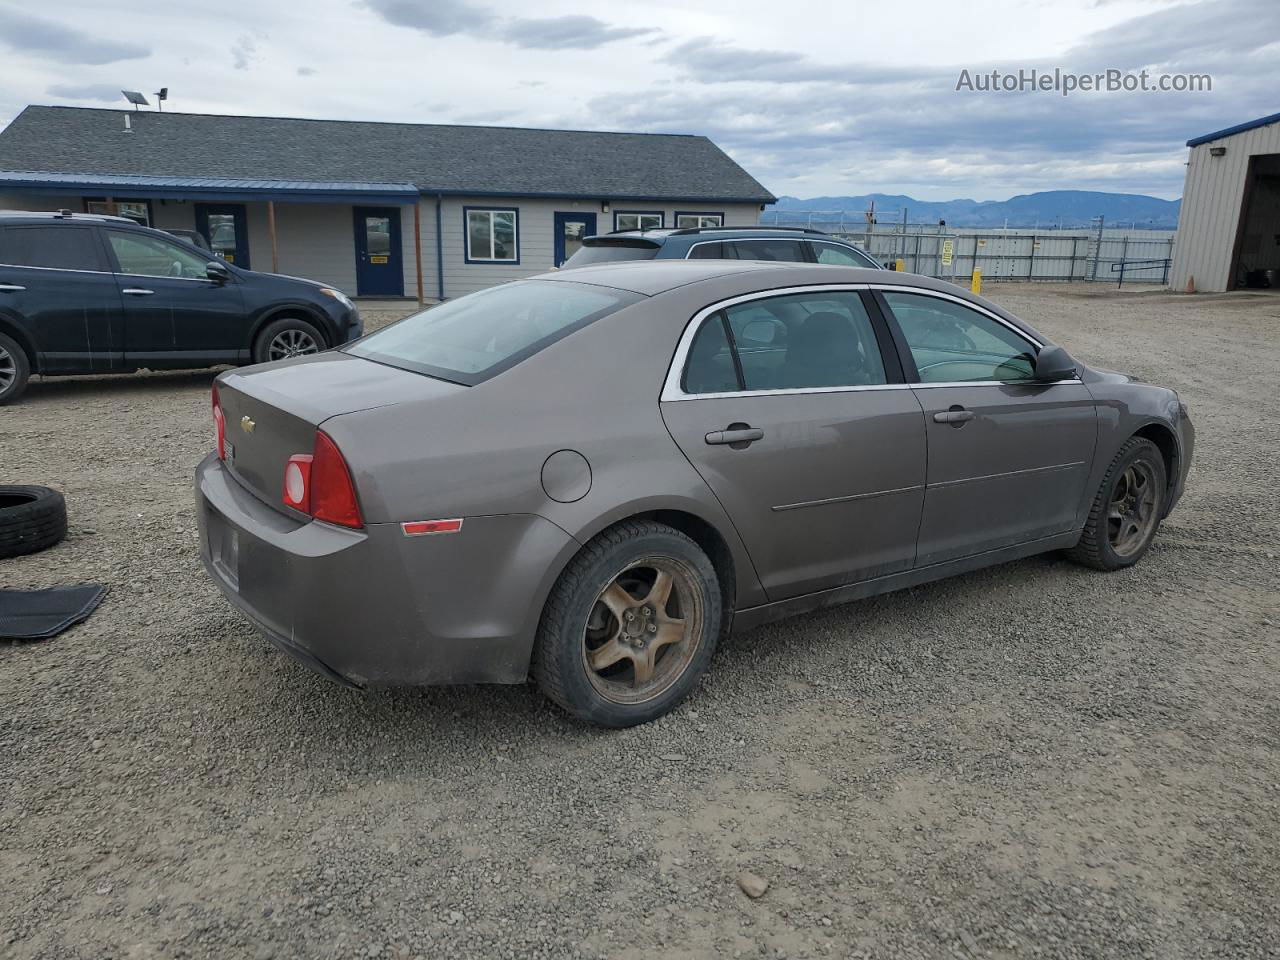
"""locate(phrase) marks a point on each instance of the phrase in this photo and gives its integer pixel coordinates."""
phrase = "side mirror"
(1054, 364)
(217, 272)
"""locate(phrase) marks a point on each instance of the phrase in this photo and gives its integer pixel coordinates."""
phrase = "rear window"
(610, 252)
(478, 336)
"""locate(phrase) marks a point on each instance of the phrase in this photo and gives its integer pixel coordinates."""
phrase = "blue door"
(225, 227)
(570, 229)
(379, 271)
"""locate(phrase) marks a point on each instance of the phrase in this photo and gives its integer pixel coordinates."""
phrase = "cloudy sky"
(814, 98)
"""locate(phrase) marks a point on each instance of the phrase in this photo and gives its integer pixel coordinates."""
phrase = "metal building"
(1229, 226)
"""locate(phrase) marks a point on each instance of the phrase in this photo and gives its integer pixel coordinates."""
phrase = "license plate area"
(224, 550)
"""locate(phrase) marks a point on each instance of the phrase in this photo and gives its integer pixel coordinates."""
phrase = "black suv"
(82, 293)
(791, 244)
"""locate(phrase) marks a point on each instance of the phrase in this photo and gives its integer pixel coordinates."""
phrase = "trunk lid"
(272, 411)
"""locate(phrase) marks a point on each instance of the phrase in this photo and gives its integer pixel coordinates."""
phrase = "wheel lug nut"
(653, 628)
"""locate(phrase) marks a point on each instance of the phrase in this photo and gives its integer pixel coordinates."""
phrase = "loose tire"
(1126, 511)
(14, 370)
(630, 626)
(31, 518)
(287, 337)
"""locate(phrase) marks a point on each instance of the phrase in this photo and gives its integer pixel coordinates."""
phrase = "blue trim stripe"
(1238, 128)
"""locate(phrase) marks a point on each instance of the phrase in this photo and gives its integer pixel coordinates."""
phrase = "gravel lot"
(1031, 761)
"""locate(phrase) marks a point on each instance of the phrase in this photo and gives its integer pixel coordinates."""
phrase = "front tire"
(1126, 510)
(630, 626)
(285, 338)
(15, 371)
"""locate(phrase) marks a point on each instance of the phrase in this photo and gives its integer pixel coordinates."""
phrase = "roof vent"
(128, 124)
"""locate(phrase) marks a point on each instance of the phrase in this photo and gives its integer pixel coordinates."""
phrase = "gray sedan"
(593, 476)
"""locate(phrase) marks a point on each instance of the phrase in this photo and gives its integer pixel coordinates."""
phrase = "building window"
(637, 220)
(686, 221)
(492, 235)
(139, 211)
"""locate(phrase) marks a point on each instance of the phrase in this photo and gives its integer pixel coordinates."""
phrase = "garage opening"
(1256, 264)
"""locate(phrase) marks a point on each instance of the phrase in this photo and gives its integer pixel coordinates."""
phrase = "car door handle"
(10, 288)
(735, 434)
(138, 291)
(956, 416)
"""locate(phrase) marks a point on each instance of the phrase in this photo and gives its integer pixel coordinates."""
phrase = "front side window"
(492, 236)
(146, 256)
(694, 220)
(843, 256)
(54, 248)
(953, 343)
(794, 342)
(475, 337)
(789, 251)
(637, 220)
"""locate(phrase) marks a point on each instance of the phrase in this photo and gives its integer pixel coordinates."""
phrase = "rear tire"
(31, 518)
(287, 337)
(1126, 510)
(630, 626)
(15, 370)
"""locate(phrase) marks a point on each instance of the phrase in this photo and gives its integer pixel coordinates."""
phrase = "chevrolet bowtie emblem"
(247, 425)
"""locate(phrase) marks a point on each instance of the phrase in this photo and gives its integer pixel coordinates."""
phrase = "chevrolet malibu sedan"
(592, 477)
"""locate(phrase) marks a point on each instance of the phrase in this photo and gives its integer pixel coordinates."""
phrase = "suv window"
(481, 334)
(793, 342)
(145, 256)
(791, 251)
(951, 342)
(835, 253)
(55, 247)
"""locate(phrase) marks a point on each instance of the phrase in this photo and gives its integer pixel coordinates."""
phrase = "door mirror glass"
(217, 272)
(1054, 364)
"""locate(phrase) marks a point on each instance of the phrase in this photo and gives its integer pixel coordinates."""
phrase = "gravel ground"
(1031, 761)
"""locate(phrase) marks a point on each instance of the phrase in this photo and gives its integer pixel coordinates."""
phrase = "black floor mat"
(40, 614)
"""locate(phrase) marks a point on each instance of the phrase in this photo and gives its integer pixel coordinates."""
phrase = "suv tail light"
(219, 425)
(319, 484)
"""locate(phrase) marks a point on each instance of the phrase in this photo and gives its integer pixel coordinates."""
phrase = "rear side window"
(789, 251)
(794, 342)
(478, 336)
(57, 248)
(610, 253)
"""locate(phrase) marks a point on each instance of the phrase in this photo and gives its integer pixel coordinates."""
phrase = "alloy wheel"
(291, 343)
(8, 370)
(643, 630)
(1132, 513)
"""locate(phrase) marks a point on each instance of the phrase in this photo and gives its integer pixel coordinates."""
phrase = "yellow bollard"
(900, 265)
(975, 284)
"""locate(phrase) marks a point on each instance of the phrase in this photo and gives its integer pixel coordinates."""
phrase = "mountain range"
(1070, 208)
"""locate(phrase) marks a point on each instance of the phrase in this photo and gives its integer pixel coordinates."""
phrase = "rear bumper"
(373, 607)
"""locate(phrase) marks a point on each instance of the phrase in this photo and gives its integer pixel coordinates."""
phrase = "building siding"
(1212, 202)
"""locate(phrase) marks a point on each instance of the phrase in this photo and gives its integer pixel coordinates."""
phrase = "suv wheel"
(14, 370)
(287, 337)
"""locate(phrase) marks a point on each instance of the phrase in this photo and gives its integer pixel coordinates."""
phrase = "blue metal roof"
(1238, 128)
(214, 188)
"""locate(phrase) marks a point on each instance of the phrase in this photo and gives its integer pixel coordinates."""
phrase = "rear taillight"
(319, 484)
(219, 425)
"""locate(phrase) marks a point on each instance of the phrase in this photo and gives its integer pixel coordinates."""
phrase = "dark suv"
(82, 293)
(791, 244)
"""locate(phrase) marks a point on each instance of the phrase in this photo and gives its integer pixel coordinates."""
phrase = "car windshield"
(610, 253)
(478, 336)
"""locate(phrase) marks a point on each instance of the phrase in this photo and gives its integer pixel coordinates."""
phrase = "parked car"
(84, 293)
(787, 244)
(193, 237)
(593, 474)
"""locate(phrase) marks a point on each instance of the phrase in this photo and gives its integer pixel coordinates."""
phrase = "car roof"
(42, 216)
(652, 277)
